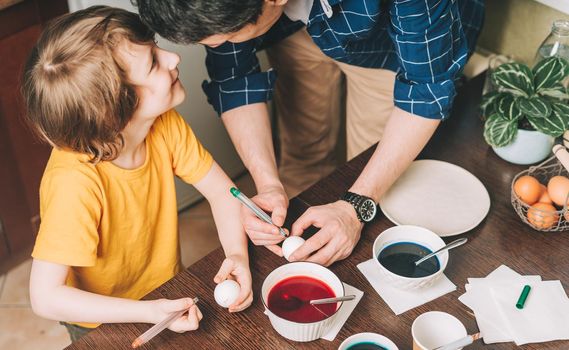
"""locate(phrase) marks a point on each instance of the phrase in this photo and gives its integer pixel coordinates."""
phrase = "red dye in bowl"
(289, 299)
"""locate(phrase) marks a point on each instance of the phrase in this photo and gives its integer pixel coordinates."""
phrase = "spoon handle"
(332, 300)
(451, 245)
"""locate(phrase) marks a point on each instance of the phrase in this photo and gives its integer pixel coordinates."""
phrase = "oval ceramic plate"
(437, 195)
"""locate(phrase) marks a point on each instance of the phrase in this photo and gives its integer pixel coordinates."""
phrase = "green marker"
(258, 211)
(522, 300)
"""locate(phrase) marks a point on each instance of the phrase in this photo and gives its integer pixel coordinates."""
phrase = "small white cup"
(368, 337)
(435, 328)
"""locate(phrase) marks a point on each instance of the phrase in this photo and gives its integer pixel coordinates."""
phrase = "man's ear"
(276, 2)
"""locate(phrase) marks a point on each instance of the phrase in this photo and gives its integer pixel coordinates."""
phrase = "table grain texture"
(500, 239)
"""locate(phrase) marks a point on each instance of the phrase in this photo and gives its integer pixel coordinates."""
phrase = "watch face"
(367, 210)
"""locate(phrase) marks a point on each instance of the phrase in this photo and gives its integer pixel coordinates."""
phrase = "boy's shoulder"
(67, 167)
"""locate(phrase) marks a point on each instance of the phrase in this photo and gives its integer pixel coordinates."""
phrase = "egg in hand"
(226, 293)
(290, 245)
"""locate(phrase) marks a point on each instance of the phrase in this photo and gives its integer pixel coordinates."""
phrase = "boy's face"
(272, 11)
(154, 73)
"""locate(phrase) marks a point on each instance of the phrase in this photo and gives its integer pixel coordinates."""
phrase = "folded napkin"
(480, 300)
(403, 300)
(545, 316)
(345, 312)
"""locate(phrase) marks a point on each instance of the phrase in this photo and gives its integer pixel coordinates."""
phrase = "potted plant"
(529, 109)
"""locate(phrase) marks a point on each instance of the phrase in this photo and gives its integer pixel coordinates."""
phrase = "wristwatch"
(365, 207)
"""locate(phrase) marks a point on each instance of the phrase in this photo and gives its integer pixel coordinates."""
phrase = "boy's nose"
(174, 59)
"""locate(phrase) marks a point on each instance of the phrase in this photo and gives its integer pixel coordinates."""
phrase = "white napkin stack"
(403, 300)
(545, 316)
(347, 309)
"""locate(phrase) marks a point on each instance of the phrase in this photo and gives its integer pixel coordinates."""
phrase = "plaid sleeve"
(236, 77)
(432, 49)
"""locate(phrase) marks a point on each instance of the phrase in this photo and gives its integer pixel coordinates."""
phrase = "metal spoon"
(451, 245)
(332, 300)
(293, 302)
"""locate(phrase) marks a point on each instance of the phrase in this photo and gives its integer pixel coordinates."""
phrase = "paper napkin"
(545, 316)
(344, 313)
(403, 300)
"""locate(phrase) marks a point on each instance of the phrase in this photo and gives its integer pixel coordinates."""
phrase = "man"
(400, 59)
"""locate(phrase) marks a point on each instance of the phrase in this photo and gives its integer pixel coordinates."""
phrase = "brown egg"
(528, 189)
(544, 198)
(542, 215)
(558, 189)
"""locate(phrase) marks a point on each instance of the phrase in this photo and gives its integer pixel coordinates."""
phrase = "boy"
(100, 91)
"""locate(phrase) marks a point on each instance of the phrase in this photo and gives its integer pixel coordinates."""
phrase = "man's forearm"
(404, 137)
(250, 130)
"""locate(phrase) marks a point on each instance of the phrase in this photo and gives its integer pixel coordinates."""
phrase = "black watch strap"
(354, 199)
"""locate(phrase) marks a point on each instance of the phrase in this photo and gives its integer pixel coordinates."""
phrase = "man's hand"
(273, 200)
(339, 233)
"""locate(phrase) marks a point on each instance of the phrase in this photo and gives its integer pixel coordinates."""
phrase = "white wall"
(195, 109)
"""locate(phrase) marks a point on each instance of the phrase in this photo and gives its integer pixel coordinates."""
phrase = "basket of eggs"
(540, 194)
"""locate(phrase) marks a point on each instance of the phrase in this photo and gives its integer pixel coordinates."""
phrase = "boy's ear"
(276, 2)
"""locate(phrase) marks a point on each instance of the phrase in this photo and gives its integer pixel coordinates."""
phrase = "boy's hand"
(273, 200)
(236, 267)
(187, 322)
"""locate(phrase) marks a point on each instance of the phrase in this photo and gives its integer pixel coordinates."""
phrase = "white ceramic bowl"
(368, 337)
(435, 328)
(412, 234)
(296, 331)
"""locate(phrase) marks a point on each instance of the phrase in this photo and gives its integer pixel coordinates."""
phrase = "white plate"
(437, 195)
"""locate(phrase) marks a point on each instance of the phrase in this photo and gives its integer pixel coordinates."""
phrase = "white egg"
(291, 244)
(226, 293)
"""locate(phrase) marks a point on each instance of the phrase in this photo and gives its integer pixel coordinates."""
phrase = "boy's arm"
(215, 187)
(52, 299)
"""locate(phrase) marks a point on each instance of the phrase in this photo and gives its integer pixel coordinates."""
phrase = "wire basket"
(542, 172)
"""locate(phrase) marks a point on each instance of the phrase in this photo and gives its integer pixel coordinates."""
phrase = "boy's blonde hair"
(77, 95)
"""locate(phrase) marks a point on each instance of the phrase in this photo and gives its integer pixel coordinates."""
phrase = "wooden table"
(500, 239)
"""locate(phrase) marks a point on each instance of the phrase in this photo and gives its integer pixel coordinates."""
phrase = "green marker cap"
(522, 299)
(234, 191)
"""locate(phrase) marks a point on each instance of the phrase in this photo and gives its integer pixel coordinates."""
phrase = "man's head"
(210, 22)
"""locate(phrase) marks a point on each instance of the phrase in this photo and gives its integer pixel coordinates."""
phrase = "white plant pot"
(528, 147)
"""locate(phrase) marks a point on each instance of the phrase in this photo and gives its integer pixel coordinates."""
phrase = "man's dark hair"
(190, 21)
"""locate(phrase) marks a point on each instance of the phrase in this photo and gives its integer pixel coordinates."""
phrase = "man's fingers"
(327, 255)
(307, 219)
(261, 238)
(312, 244)
(279, 215)
(256, 224)
(275, 249)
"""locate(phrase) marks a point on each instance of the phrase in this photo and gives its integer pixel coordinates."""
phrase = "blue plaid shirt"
(427, 42)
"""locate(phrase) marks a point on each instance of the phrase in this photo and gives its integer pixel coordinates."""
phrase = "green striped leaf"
(558, 92)
(490, 102)
(498, 131)
(516, 78)
(554, 125)
(535, 106)
(549, 72)
(508, 108)
(561, 110)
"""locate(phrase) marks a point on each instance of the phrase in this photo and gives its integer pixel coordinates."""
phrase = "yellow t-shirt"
(118, 228)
